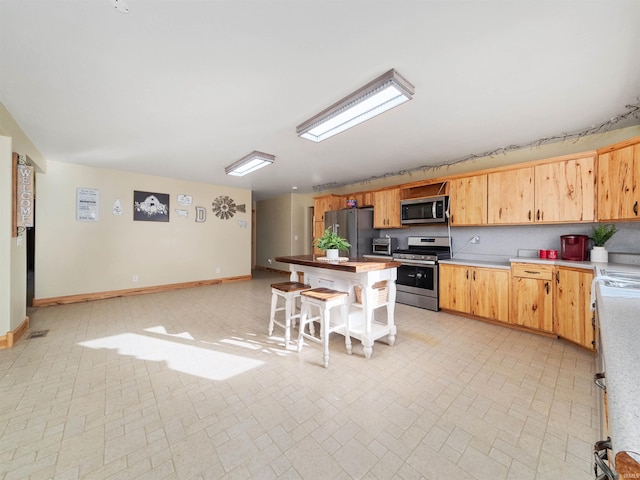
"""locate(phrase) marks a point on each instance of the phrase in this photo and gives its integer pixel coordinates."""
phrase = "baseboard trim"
(87, 297)
(272, 270)
(10, 339)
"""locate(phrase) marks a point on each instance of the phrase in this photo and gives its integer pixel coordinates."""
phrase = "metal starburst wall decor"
(225, 208)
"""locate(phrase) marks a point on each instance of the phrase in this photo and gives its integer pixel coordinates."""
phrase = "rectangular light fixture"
(252, 162)
(385, 92)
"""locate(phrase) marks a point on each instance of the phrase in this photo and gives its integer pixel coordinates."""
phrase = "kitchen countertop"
(356, 265)
(620, 345)
(477, 263)
(598, 268)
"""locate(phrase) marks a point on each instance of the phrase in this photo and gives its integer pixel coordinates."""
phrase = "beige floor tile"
(188, 385)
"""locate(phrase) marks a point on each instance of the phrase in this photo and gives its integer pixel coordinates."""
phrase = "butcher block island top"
(356, 265)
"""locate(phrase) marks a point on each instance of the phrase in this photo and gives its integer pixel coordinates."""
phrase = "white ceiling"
(183, 88)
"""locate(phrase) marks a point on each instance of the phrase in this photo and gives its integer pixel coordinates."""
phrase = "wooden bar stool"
(289, 291)
(324, 299)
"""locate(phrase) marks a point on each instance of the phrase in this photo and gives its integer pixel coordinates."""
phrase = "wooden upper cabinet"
(468, 201)
(565, 191)
(618, 178)
(326, 203)
(386, 209)
(510, 197)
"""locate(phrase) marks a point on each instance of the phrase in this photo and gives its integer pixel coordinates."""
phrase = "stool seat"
(288, 291)
(290, 286)
(324, 299)
(324, 294)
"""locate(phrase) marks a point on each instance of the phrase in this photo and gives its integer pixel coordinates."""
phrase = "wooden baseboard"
(272, 270)
(87, 297)
(10, 339)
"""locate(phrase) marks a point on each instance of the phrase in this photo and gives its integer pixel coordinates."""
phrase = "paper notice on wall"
(87, 204)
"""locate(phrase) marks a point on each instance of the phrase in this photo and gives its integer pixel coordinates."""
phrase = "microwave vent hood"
(424, 210)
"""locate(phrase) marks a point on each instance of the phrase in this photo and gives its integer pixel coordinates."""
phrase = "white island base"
(346, 276)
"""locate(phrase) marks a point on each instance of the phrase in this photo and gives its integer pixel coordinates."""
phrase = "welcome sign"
(24, 196)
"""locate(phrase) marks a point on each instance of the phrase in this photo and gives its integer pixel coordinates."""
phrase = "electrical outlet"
(135, 278)
(217, 269)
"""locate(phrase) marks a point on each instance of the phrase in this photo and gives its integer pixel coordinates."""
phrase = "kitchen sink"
(621, 284)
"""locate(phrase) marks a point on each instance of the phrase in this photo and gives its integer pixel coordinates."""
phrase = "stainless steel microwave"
(424, 210)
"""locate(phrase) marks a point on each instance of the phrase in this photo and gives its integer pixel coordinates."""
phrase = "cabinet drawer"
(530, 270)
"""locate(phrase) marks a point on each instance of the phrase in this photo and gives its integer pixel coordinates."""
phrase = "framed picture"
(150, 206)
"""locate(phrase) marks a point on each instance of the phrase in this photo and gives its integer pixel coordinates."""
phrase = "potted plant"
(600, 235)
(332, 243)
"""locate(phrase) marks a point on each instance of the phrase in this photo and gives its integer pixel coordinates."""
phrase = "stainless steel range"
(418, 279)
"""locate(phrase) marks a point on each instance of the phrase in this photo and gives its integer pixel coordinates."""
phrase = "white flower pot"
(599, 254)
(333, 253)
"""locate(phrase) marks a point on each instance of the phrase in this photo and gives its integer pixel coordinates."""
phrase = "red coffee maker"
(574, 247)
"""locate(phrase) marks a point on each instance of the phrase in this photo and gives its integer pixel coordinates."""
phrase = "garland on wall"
(633, 111)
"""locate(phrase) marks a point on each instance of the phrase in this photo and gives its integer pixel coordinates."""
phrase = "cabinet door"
(386, 209)
(573, 315)
(565, 191)
(618, 177)
(318, 231)
(454, 287)
(327, 203)
(532, 303)
(468, 201)
(510, 196)
(490, 293)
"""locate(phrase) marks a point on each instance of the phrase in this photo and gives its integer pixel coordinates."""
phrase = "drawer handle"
(635, 208)
(532, 272)
(598, 379)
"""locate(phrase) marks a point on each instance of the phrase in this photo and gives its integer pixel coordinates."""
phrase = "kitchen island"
(369, 277)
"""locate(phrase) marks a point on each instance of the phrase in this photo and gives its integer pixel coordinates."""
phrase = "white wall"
(74, 257)
(13, 267)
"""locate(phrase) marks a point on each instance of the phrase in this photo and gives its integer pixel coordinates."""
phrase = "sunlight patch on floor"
(190, 359)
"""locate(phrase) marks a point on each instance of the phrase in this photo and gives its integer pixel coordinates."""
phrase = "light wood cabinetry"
(532, 296)
(386, 208)
(479, 291)
(468, 201)
(363, 199)
(618, 182)
(326, 203)
(321, 205)
(454, 293)
(573, 316)
(553, 192)
(511, 196)
(565, 191)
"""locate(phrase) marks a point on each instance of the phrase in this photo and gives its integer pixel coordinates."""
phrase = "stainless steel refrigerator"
(354, 224)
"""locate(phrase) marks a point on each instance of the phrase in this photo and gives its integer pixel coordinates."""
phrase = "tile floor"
(188, 385)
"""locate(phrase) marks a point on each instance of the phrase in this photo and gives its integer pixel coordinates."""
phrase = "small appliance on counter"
(384, 246)
(574, 247)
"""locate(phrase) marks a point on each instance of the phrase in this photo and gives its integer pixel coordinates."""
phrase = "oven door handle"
(417, 263)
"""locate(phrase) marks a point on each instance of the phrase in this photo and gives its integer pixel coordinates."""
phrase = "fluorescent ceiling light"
(385, 92)
(252, 162)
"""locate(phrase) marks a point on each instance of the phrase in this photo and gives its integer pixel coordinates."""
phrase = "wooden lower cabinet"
(573, 316)
(532, 296)
(479, 291)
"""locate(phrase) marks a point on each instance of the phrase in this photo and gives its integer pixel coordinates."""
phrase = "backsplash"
(499, 243)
